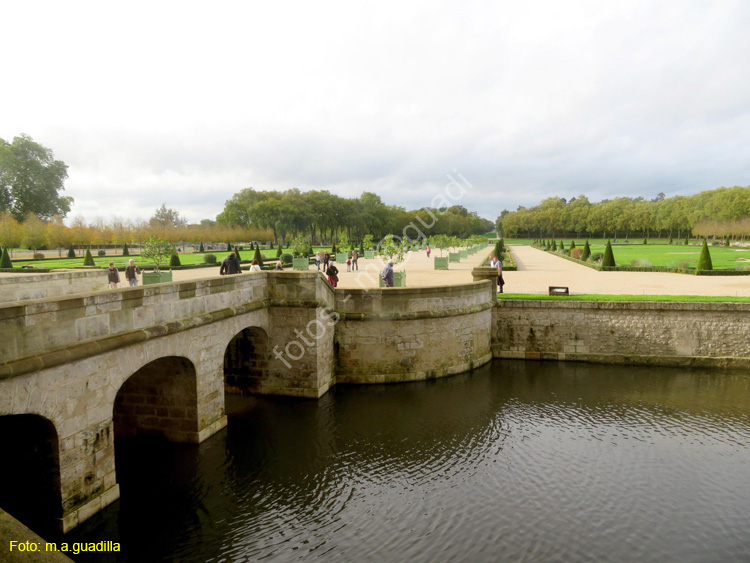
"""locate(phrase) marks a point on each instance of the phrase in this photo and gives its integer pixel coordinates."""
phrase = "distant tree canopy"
(31, 179)
(323, 216)
(164, 217)
(720, 212)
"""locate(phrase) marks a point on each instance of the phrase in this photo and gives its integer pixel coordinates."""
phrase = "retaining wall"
(17, 287)
(646, 333)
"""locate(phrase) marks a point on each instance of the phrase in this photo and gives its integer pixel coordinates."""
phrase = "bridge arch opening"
(159, 400)
(246, 361)
(30, 470)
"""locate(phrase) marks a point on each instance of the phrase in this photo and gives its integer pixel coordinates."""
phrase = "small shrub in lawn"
(641, 263)
(645, 241)
(174, 260)
(258, 256)
(554, 246)
(562, 247)
(608, 261)
(286, 259)
(726, 241)
(670, 240)
(201, 249)
(38, 256)
(101, 253)
(5, 261)
(125, 251)
(586, 251)
(596, 257)
(715, 243)
(704, 261)
(683, 265)
(576, 253)
(279, 252)
(572, 246)
(209, 259)
(88, 260)
(686, 241)
(237, 254)
(71, 252)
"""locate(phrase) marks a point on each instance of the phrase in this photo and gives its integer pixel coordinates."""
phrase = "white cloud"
(187, 103)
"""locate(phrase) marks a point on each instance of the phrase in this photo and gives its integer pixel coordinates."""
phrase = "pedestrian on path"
(131, 273)
(500, 280)
(230, 265)
(114, 276)
(388, 274)
(332, 273)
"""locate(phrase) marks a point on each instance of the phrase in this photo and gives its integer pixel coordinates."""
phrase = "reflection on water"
(515, 461)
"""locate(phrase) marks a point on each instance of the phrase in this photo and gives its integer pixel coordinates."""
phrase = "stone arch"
(30, 471)
(160, 399)
(246, 361)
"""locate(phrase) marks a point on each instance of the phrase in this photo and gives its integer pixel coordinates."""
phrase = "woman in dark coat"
(333, 275)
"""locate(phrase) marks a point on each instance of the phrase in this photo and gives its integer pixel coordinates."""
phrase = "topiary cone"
(586, 251)
(201, 248)
(125, 251)
(259, 257)
(174, 261)
(704, 261)
(88, 260)
(278, 252)
(71, 252)
(5, 261)
(609, 258)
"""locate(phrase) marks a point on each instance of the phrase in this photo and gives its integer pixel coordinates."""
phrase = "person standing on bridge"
(114, 276)
(131, 273)
(230, 265)
(500, 280)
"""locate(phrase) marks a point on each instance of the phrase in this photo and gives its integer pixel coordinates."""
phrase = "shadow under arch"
(30, 471)
(246, 361)
(159, 400)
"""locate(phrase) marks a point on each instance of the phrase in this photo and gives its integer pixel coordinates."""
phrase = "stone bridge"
(77, 371)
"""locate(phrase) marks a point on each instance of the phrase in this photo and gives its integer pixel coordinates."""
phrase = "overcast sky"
(189, 102)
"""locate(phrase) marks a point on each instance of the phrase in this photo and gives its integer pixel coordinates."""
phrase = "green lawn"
(122, 261)
(601, 297)
(659, 253)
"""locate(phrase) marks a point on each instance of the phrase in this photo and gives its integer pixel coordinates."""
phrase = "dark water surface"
(516, 461)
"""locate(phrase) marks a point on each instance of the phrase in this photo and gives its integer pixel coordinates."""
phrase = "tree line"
(322, 217)
(722, 212)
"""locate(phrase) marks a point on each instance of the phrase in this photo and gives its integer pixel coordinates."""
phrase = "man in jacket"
(388, 274)
(230, 265)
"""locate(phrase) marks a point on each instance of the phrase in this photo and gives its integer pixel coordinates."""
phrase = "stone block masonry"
(19, 287)
(624, 332)
(411, 334)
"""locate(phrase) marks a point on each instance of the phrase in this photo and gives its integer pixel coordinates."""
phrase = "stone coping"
(397, 292)
(626, 305)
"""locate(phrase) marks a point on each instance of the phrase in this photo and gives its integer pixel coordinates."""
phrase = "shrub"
(562, 247)
(209, 259)
(71, 252)
(125, 251)
(572, 245)
(715, 243)
(704, 261)
(683, 265)
(686, 241)
(670, 240)
(38, 256)
(726, 241)
(640, 263)
(645, 241)
(596, 257)
(586, 251)
(101, 253)
(237, 254)
(88, 260)
(333, 248)
(258, 256)
(174, 260)
(279, 252)
(286, 259)
(554, 246)
(608, 261)
(201, 249)
(5, 261)
(270, 245)
(576, 253)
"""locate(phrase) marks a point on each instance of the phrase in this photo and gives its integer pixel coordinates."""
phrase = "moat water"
(516, 461)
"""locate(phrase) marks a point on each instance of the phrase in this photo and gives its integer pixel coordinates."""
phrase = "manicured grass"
(186, 259)
(602, 297)
(660, 253)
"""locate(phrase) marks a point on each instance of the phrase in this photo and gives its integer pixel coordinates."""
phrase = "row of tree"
(323, 217)
(723, 212)
(35, 234)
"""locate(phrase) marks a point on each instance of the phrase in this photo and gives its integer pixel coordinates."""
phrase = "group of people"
(325, 259)
(131, 274)
(231, 265)
(498, 263)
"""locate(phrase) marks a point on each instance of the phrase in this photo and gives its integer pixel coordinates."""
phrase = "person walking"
(131, 273)
(348, 264)
(500, 280)
(230, 265)
(114, 276)
(332, 273)
(326, 260)
(428, 251)
(317, 259)
(388, 274)
(355, 257)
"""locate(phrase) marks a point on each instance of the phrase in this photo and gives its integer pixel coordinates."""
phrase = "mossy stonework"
(159, 359)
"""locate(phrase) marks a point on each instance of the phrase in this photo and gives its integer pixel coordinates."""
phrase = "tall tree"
(31, 179)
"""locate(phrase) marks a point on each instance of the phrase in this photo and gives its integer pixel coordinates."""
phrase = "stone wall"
(17, 287)
(413, 333)
(621, 332)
